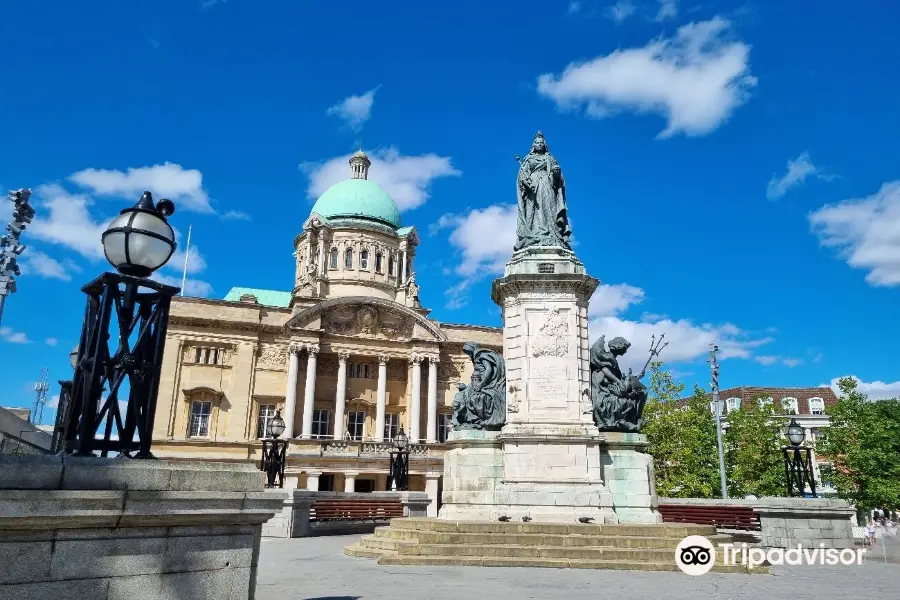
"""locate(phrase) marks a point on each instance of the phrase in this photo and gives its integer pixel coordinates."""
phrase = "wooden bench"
(723, 517)
(355, 510)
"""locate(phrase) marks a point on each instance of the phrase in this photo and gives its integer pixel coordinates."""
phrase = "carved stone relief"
(551, 338)
(272, 357)
(368, 321)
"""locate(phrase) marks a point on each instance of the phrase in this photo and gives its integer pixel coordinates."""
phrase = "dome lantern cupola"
(359, 166)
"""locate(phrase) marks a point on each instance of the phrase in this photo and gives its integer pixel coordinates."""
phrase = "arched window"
(348, 258)
(332, 260)
(789, 405)
(733, 404)
(378, 262)
(817, 406)
(364, 259)
(391, 265)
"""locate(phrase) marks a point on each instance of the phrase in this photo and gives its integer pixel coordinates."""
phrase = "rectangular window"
(200, 412)
(266, 414)
(356, 420)
(378, 262)
(391, 425)
(320, 423)
(733, 404)
(443, 427)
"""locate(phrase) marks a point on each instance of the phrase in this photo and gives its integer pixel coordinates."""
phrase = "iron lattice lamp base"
(125, 364)
(399, 474)
(798, 470)
(273, 461)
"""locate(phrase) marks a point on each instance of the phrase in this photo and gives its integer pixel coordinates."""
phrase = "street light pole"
(10, 248)
(714, 372)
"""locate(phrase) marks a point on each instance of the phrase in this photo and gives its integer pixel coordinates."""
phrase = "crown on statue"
(539, 135)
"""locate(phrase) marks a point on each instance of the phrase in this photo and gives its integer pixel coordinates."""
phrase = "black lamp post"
(798, 468)
(274, 450)
(399, 458)
(127, 363)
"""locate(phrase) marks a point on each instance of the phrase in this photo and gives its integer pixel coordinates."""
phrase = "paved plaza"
(316, 569)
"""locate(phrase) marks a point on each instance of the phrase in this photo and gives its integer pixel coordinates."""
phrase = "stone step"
(557, 563)
(672, 530)
(535, 539)
(383, 543)
(519, 551)
(359, 551)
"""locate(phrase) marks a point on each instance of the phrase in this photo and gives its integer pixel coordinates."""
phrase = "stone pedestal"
(94, 528)
(628, 474)
(549, 462)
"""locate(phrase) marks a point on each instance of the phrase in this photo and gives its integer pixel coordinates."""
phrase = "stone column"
(381, 398)
(415, 399)
(350, 481)
(309, 393)
(340, 396)
(320, 268)
(312, 480)
(402, 266)
(290, 395)
(432, 399)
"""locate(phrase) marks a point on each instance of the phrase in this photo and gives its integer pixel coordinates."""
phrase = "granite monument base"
(546, 476)
(96, 528)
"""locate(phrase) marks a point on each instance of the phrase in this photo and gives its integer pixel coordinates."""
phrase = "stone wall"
(786, 522)
(91, 528)
(294, 519)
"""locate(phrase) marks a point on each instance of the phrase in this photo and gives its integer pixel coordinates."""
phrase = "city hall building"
(348, 355)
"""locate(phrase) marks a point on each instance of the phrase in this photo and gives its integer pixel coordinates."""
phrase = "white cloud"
(668, 9)
(695, 80)
(354, 110)
(69, 222)
(204, 4)
(38, 263)
(168, 180)
(621, 10)
(51, 341)
(484, 237)
(865, 232)
(404, 178)
(7, 334)
(192, 287)
(766, 360)
(609, 300)
(875, 390)
(53, 402)
(235, 215)
(791, 362)
(575, 7)
(798, 170)
(688, 341)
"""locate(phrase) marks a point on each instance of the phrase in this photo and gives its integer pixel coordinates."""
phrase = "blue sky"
(732, 168)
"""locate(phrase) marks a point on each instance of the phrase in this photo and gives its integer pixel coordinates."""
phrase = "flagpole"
(187, 253)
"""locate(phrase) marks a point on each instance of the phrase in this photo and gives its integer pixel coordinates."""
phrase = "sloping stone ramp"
(423, 541)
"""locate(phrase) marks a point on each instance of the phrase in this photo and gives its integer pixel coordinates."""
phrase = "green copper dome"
(357, 198)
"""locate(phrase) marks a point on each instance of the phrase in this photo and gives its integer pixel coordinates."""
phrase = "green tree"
(863, 443)
(753, 457)
(682, 438)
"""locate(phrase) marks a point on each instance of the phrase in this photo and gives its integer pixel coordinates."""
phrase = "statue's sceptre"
(656, 346)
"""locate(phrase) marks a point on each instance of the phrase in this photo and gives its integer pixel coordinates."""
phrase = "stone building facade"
(349, 356)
